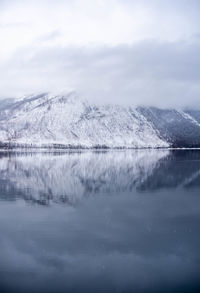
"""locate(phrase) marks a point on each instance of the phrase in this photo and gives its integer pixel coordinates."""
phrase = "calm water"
(120, 221)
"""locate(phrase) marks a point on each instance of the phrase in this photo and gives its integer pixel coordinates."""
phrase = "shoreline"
(50, 149)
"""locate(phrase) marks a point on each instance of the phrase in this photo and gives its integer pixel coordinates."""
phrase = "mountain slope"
(178, 128)
(48, 120)
(65, 121)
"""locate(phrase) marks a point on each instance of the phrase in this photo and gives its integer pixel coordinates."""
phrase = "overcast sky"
(114, 51)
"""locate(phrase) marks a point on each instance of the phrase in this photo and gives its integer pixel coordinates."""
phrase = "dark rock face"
(179, 129)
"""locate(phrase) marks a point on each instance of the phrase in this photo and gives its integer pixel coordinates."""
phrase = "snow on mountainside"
(66, 121)
(178, 128)
(47, 119)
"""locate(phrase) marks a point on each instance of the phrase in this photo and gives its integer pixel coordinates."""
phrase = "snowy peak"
(40, 99)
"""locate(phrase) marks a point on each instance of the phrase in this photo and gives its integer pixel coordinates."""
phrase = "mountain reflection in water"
(105, 221)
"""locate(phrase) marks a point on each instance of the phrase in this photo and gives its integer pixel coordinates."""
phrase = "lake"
(100, 221)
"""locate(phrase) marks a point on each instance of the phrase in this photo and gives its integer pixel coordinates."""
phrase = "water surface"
(116, 221)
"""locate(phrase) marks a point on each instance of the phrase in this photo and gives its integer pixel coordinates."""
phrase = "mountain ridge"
(65, 121)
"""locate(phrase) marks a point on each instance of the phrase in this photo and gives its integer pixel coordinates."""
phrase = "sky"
(130, 52)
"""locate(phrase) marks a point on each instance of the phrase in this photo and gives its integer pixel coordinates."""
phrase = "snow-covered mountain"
(65, 121)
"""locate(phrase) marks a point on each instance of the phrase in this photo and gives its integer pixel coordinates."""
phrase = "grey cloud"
(149, 72)
(152, 72)
(50, 36)
(13, 24)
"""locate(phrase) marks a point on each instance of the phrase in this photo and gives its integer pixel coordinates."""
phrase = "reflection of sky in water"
(112, 222)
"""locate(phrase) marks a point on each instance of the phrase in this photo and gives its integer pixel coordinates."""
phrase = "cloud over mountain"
(125, 52)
